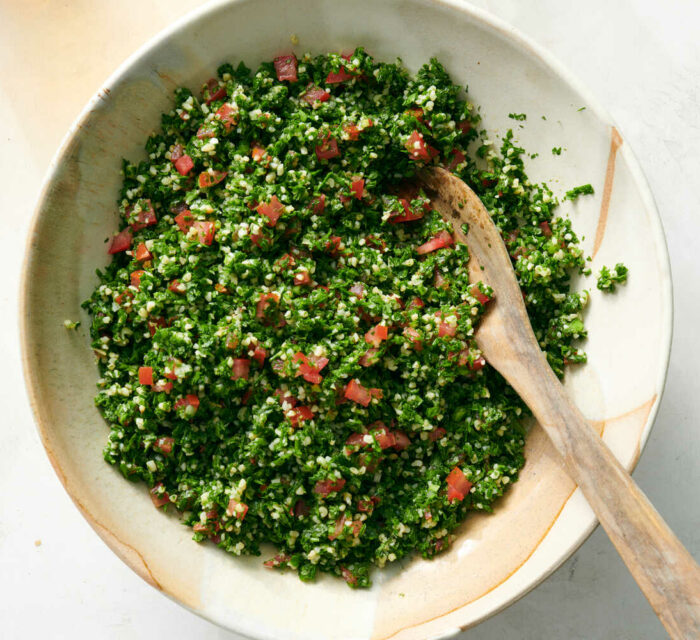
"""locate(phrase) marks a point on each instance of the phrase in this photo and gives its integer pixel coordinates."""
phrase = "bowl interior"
(542, 519)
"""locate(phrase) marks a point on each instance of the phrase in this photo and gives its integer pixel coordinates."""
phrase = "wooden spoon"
(662, 567)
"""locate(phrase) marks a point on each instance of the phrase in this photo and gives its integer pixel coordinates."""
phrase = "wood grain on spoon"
(665, 571)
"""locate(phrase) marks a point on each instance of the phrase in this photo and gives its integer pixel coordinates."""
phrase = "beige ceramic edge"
(489, 567)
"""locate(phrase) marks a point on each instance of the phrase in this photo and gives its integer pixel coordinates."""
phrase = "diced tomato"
(271, 210)
(210, 178)
(146, 375)
(365, 506)
(417, 113)
(302, 278)
(184, 165)
(154, 324)
(376, 393)
(184, 220)
(383, 436)
(142, 253)
(264, 303)
(464, 126)
(358, 188)
(358, 289)
(352, 131)
(136, 278)
(457, 158)
(489, 182)
(333, 245)
(176, 287)
(438, 241)
(339, 526)
(241, 368)
(417, 303)
(413, 335)
(163, 386)
(189, 400)
(354, 442)
(445, 328)
(440, 282)
(120, 242)
(204, 230)
(228, 116)
(408, 214)
(437, 434)
(348, 576)
(320, 204)
(478, 294)
(205, 132)
(457, 485)
(259, 355)
(308, 368)
(257, 153)
(327, 149)
(286, 67)
(376, 334)
(216, 92)
(369, 358)
(144, 218)
(319, 362)
(164, 445)
(159, 498)
(170, 368)
(236, 509)
(401, 440)
(357, 393)
(287, 261)
(300, 509)
(300, 414)
(315, 94)
(285, 396)
(277, 561)
(546, 229)
(416, 147)
(479, 363)
(256, 238)
(340, 76)
(325, 487)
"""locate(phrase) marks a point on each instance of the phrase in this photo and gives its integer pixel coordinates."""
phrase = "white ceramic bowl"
(496, 558)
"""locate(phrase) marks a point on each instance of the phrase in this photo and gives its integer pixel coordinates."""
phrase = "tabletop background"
(641, 58)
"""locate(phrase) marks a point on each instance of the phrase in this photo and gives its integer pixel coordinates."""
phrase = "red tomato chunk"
(457, 485)
(286, 68)
(146, 375)
(439, 241)
(120, 242)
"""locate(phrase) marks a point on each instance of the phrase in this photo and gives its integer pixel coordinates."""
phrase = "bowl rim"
(484, 19)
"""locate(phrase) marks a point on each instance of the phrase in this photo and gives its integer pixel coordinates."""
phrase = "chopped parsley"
(517, 116)
(556, 151)
(582, 190)
(285, 334)
(609, 278)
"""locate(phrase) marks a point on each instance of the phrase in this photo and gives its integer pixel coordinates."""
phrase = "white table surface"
(640, 58)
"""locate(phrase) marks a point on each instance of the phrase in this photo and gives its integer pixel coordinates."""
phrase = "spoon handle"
(664, 570)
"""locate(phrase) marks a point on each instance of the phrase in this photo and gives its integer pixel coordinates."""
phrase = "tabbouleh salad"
(285, 334)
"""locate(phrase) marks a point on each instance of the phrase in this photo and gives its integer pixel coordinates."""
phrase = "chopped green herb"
(609, 278)
(517, 116)
(285, 334)
(556, 151)
(582, 190)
